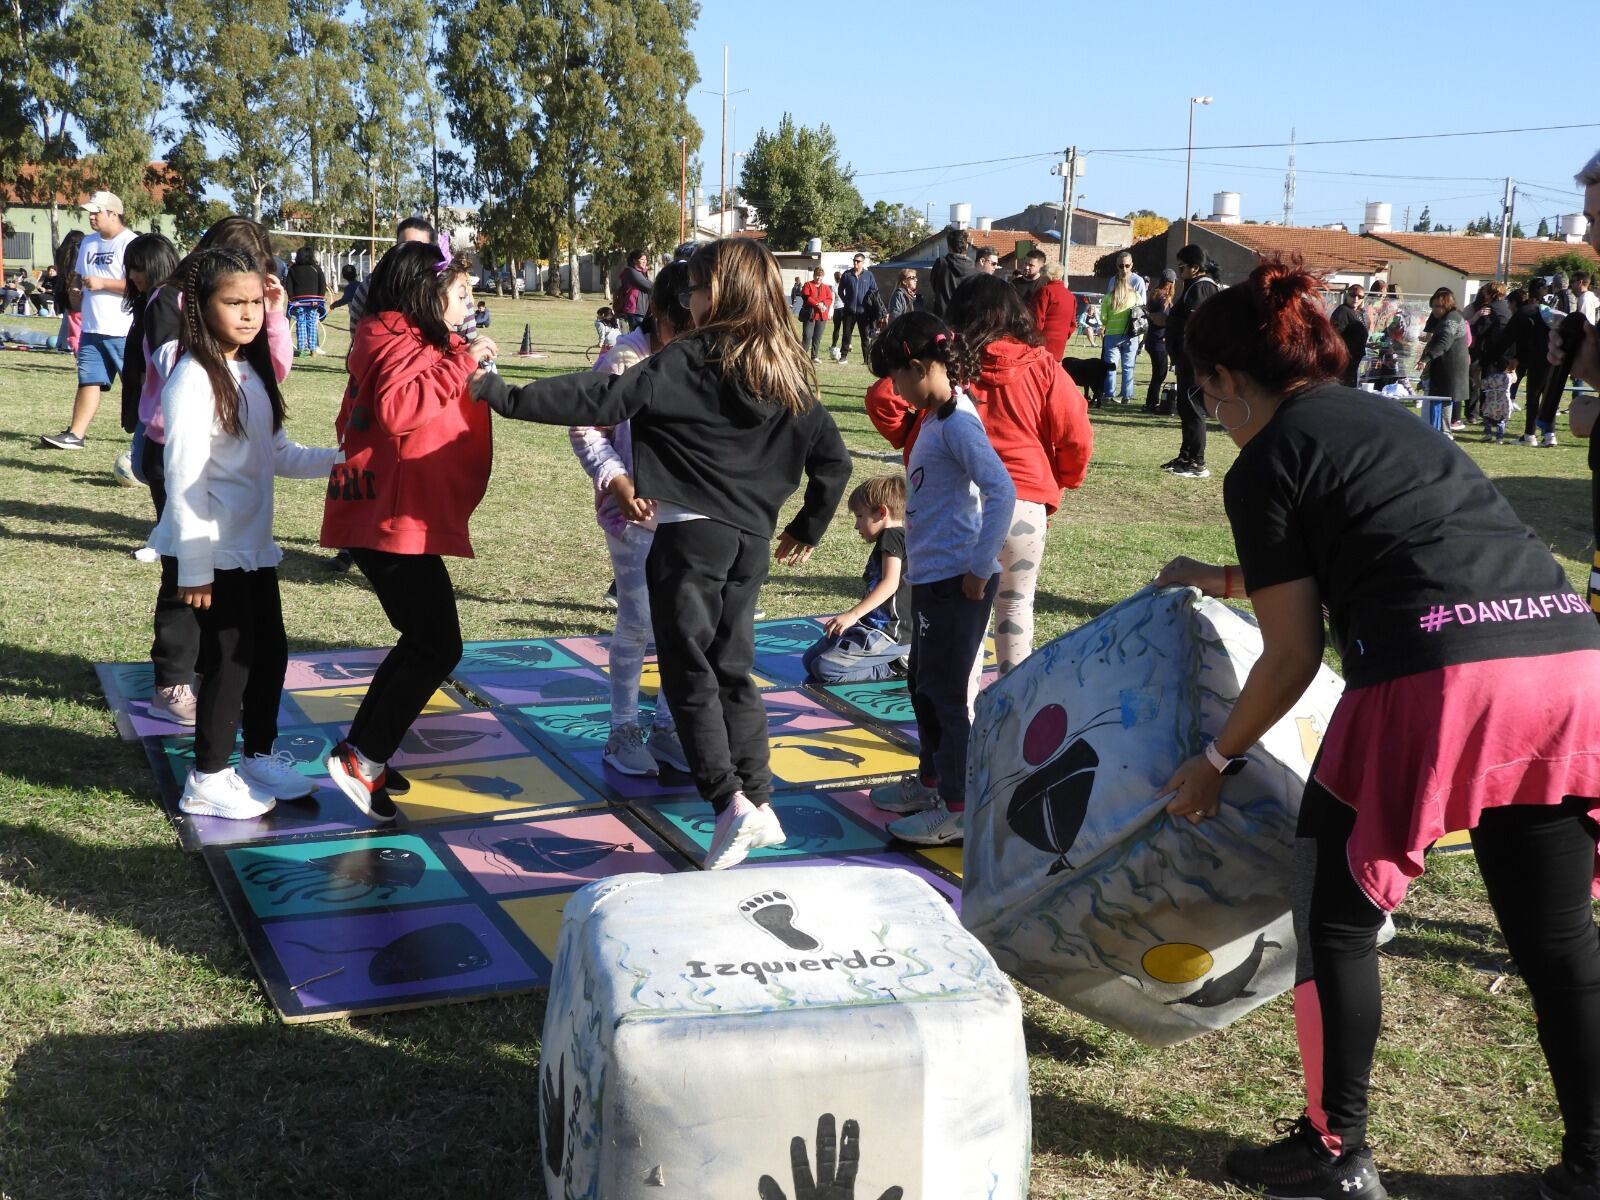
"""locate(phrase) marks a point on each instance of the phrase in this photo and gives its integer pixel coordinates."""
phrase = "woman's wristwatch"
(1224, 764)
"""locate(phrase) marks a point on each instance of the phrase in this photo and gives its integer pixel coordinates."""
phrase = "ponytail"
(923, 337)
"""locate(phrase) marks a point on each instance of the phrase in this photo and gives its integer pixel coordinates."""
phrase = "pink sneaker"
(176, 703)
(741, 828)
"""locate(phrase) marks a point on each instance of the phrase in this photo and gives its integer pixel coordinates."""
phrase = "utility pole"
(683, 187)
(1068, 168)
(1407, 228)
(722, 161)
(1502, 269)
(1288, 184)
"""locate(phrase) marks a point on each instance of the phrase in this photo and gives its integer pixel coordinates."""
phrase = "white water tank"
(1225, 208)
(1573, 226)
(702, 213)
(961, 216)
(814, 245)
(1379, 215)
(985, 224)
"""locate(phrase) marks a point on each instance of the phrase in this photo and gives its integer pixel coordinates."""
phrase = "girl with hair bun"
(959, 502)
(1469, 705)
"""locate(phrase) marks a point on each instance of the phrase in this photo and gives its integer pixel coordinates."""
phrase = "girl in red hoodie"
(1038, 423)
(416, 465)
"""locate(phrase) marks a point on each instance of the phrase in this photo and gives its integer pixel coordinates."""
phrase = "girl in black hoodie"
(725, 422)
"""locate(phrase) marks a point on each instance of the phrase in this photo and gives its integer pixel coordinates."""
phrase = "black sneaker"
(1562, 1182)
(341, 561)
(1175, 465)
(395, 783)
(65, 440)
(1299, 1167)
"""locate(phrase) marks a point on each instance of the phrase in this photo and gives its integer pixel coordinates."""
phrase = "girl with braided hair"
(959, 502)
(223, 416)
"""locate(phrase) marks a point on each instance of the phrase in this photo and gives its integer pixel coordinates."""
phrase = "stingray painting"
(443, 740)
(432, 952)
(554, 852)
(380, 871)
(339, 672)
(1048, 807)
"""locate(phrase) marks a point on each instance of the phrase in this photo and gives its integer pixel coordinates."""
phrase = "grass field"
(138, 1058)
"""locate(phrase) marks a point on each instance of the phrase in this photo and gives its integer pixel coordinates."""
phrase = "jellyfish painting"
(579, 727)
(303, 747)
(380, 871)
(785, 637)
(555, 852)
(339, 672)
(526, 654)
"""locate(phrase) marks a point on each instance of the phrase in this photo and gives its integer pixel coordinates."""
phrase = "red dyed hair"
(1271, 327)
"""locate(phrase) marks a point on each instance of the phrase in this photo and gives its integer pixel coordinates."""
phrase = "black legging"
(420, 602)
(1192, 417)
(243, 657)
(1158, 376)
(177, 630)
(1537, 863)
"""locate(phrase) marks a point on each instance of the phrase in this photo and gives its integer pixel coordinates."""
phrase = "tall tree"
(391, 47)
(794, 179)
(45, 67)
(886, 229)
(1544, 228)
(227, 53)
(1424, 222)
(116, 95)
(319, 88)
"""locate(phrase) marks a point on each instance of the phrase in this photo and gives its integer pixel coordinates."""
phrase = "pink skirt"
(1422, 756)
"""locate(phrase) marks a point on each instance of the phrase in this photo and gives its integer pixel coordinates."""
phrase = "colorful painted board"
(344, 925)
(463, 764)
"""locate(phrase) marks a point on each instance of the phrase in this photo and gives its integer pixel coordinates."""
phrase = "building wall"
(1419, 278)
(36, 222)
(1088, 229)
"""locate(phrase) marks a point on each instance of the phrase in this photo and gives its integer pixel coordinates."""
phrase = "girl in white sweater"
(225, 441)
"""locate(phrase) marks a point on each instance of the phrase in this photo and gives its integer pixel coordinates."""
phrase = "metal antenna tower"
(1288, 185)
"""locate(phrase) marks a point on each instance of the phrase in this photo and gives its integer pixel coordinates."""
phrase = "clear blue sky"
(910, 85)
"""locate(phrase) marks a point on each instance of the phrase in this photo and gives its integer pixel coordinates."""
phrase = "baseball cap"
(1169, 276)
(103, 201)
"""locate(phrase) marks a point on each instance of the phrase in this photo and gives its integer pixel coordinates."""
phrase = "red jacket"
(416, 446)
(1037, 420)
(819, 298)
(1055, 311)
(898, 421)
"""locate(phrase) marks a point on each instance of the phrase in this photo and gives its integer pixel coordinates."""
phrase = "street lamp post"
(1188, 163)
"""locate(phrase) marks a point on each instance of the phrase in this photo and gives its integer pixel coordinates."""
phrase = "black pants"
(419, 601)
(856, 321)
(838, 324)
(704, 580)
(243, 656)
(177, 632)
(1531, 380)
(1158, 376)
(1192, 417)
(1555, 387)
(946, 637)
(812, 339)
(1537, 862)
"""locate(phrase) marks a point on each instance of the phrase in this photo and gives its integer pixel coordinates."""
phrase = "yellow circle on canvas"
(1176, 962)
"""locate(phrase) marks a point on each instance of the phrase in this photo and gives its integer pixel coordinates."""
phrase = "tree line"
(564, 117)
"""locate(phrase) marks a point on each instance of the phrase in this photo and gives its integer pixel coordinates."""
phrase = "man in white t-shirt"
(105, 320)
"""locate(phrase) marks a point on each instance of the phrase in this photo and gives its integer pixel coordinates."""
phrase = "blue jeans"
(858, 654)
(1123, 347)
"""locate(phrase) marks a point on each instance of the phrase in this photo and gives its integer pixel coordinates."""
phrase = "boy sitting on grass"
(871, 640)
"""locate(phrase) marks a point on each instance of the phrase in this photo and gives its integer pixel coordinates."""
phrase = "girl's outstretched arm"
(582, 398)
(294, 461)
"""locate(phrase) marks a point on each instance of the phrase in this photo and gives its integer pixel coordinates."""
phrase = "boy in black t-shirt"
(871, 640)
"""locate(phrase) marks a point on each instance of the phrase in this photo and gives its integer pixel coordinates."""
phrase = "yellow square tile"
(836, 754)
(540, 918)
(337, 706)
(482, 788)
(947, 857)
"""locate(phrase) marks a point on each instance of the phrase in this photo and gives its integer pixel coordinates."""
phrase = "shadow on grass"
(113, 531)
(1437, 940)
(1556, 508)
(422, 1109)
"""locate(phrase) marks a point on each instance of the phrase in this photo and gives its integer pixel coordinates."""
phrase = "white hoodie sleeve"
(291, 460)
(189, 412)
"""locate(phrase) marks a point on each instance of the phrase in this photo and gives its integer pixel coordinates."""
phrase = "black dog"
(1089, 374)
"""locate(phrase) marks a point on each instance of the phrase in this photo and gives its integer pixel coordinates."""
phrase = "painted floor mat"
(347, 924)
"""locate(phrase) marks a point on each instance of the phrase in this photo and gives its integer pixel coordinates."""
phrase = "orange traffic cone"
(526, 349)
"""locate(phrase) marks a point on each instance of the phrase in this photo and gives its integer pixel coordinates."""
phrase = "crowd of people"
(1464, 649)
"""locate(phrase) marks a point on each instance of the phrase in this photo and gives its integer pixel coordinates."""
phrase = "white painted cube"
(699, 1023)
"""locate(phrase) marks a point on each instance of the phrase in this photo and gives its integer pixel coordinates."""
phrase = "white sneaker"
(834, 354)
(910, 795)
(175, 703)
(226, 794)
(1531, 439)
(741, 828)
(625, 752)
(934, 827)
(275, 775)
(1549, 440)
(667, 748)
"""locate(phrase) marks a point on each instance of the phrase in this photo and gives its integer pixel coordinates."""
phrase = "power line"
(1307, 170)
(1405, 137)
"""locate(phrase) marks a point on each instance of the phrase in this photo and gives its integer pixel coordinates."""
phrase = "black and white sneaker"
(1299, 1167)
(1175, 465)
(1193, 471)
(65, 440)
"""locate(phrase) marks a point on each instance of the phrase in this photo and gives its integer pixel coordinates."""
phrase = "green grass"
(138, 1057)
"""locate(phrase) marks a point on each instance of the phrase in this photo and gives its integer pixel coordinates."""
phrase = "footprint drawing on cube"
(773, 912)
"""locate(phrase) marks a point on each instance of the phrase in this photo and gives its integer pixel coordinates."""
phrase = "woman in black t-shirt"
(1469, 705)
